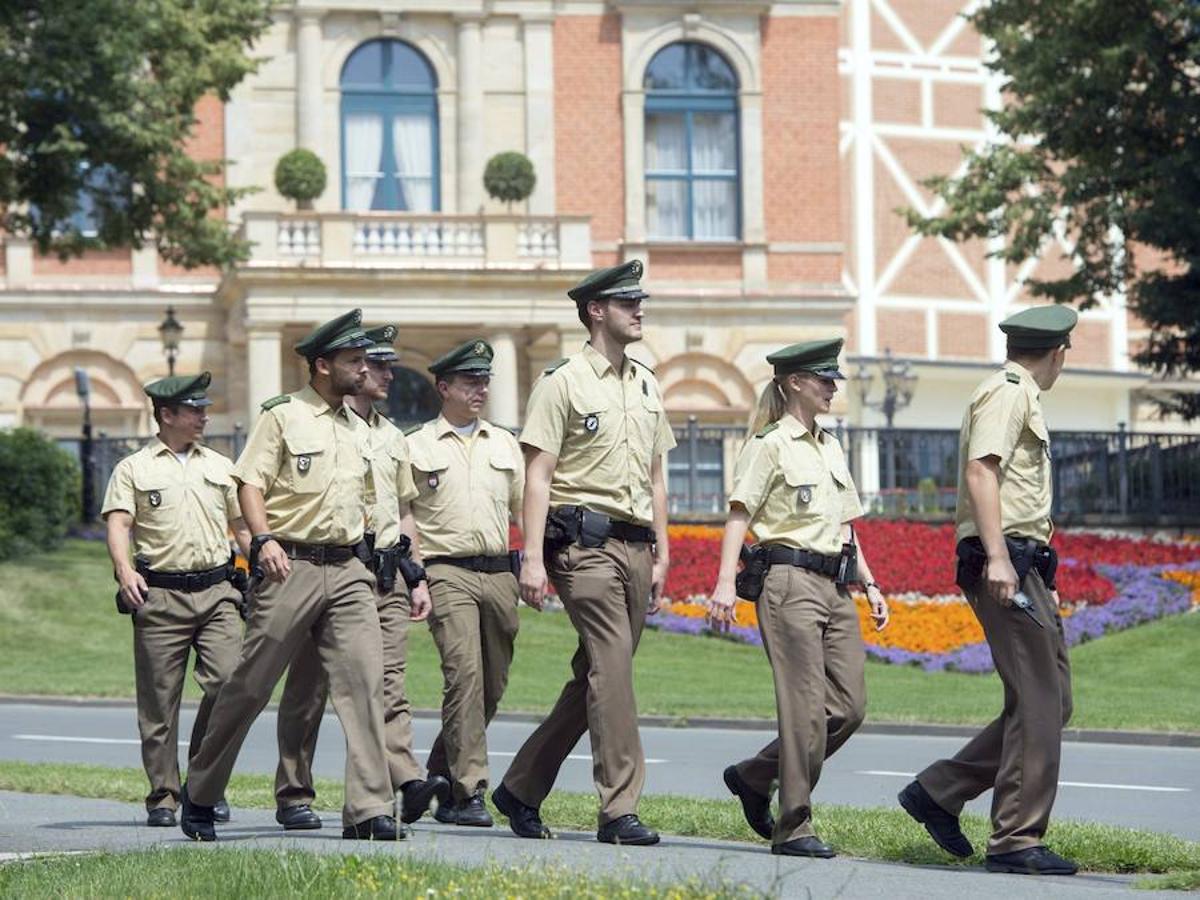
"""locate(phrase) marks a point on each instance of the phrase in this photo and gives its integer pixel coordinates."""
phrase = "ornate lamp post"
(172, 332)
(899, 382)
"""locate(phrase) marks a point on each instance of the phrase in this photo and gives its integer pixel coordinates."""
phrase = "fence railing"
(1115, 477)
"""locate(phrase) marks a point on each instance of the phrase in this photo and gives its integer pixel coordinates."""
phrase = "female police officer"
(791, 485)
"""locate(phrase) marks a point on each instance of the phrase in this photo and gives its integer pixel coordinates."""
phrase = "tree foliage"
(97, 104)
(300, 176)
(39, 492)
(1098, 138)
(509, 177)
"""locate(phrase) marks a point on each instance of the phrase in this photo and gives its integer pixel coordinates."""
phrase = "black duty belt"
(805, 559)
(627, 531)
(318, 554)
(486, 564)
(186, 581)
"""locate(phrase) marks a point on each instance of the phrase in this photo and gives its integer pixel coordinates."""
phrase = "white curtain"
(666, 143)
(364, 158)
(412, 142)
(666, 151)
(714, 152)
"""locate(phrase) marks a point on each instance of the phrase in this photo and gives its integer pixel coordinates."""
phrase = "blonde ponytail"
(769, 408)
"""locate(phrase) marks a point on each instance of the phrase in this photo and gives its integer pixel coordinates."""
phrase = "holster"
(241, 583)
(562, 528)
(364, 550)
(847, 572)
(1024, 554)
(514, 563)
(748, 583)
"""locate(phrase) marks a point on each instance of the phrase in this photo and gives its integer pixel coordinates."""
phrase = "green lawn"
(876, 833)
(60, 635)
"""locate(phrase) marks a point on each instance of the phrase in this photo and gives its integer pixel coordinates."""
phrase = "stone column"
(264, 379)
(539, 111)
(470, 115)
(308, 80)
(504, 406)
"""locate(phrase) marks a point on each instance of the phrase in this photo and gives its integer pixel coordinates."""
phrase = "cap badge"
(805, 493)
(155, 499)
(478, 348)
(591, 423)
(303, 463)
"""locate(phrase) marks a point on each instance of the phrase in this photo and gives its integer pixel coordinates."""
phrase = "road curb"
(908, 729)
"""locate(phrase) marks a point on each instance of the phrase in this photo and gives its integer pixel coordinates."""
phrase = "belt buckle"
(318, 554)
(191, 582)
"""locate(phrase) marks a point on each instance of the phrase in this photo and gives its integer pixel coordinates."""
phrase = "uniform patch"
(805, 493)
(643, 365)
(767, 430)
(155, 499)
(1012, 377)
(591, 423)
(645, 389)
(413, 429)
(303, 463)
(555, 366)
(432, 481)
(275, 401)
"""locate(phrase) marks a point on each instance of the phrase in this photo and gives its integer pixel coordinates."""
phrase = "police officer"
(179, 498)
(306, 688)
(594, 437)
(303, 480)
(793, 489)
(1006, 569)
(469, 476)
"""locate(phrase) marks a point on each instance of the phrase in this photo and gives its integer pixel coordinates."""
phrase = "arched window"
(389, 129)
(411, 398)
(692, 185)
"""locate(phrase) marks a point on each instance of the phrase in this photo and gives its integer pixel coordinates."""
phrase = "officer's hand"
(720, 609)
(879, 607)
(274, 561)
(421, 602)
(1054, 599)
(1001, 580)
(133, 587)
(533, 582)
(658, 582)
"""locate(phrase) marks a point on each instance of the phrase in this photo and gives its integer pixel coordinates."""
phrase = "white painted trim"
(931, 333)
(864, 178)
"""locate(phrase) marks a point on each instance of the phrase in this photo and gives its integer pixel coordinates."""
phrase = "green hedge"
(39, 492)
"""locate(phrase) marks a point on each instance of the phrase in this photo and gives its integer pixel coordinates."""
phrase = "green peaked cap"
(1040, 327)
(186, 389)
(818, 357)
(473, 356)
(382, 339)
(620, 282)
(343, 333)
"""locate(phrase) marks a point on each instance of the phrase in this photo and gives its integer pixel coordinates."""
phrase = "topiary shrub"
(509, 177)
(300, 176)
(39, 492)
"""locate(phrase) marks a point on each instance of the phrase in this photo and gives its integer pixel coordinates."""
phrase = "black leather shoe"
(298, 818)
(380, 828)
(221, 811)
(195, 820)
(1031, 861)
(525, 821)
(942, 827)
(755, 807)
(473, 811)
(416, 796)
(627, 830)
(161, 817)
(446, 813)
(804, 846)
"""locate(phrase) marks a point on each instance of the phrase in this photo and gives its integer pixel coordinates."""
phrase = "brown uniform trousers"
(812, 637)
(606, 592)
(334, 607)
(303, 704)
(165, 628)
(474, 624)
(1017, 753)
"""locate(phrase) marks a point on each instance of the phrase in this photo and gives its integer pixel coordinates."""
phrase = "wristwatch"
(256, 542)
(872, 584)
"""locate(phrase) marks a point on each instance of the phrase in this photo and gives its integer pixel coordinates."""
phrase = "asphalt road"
(1155, 788)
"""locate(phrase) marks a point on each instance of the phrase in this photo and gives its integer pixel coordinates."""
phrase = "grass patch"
(60, 635)
(1180, 881)
(263, 873)
(884, 834)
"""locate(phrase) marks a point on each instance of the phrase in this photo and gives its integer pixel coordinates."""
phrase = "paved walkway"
(40, 824)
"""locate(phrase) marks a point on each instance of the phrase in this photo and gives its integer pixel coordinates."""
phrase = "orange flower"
(1189, 580)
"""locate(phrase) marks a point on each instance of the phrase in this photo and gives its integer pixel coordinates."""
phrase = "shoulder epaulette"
(555, 366)
(643, 365)
(275, 401)
(767, 430)
(1012, 377)
(413, 429)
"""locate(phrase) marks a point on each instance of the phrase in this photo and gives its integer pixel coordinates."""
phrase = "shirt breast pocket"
(307, 465)
(592, 423)
(804, 483)
(155, 499)
(429, 476)
(215, 486)
(648, 415)
(503, 469)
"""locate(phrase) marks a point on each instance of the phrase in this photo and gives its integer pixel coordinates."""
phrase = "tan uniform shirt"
(310, 461)
(466, 488)
(392, 477)
(1004, 419)
(796, 487)
(606, 428)
(181, 512)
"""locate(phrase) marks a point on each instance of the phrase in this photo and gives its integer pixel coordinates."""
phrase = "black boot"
(298, 818)
(161, 817)
(942, 827)
(417, 795)
(196, 820)
(1030, 861)
(525, 821)
(473, 811)
(627, 830)
(221, 811)
(380, 828)
(809, 845)
(755, 807)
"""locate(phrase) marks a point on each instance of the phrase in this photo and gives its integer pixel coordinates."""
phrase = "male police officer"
(180, 500)
(595, 435)
(306, 688)
(469, 476)
(1006, 571)
(304, 478)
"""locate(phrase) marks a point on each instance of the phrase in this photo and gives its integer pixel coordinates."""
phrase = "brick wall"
(688, 265)
(1089, 344)
(962, 335)
(901, 330)
(207, 142)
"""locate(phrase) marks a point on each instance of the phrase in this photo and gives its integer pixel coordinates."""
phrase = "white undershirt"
(183, 457)
(465, 431)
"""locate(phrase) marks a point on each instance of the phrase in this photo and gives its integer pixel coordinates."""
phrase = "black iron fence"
(1100, 477)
